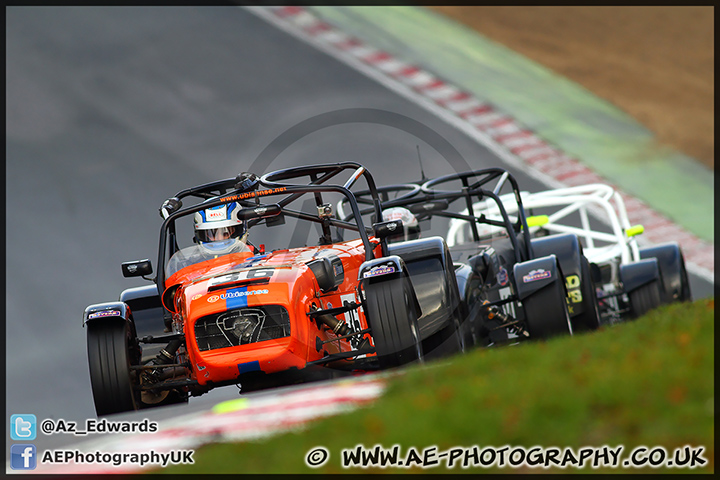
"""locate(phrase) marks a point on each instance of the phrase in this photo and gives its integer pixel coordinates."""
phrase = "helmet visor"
(216, 234)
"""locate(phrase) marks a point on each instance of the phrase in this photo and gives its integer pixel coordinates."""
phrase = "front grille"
(242, 327)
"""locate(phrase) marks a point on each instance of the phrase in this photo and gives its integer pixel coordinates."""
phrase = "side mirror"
(170, 206)
(137, 268)
(386, 229)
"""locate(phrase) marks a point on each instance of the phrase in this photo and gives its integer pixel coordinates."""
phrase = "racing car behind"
(632, 280)
(497, 264)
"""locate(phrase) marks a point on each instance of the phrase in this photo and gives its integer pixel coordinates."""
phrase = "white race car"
(630, 280)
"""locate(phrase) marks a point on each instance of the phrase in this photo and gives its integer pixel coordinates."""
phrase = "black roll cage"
(247, 194)
(427, 193)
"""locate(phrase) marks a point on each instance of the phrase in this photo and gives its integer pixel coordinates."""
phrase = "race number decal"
(241, 275)
(352, 319)
(349, 316)
(572, 282)
(508, 308)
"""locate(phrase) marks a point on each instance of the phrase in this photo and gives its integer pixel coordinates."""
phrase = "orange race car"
(242, 296)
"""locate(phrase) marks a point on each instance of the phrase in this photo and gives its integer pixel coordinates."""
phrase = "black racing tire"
(546, 312)
(645, 298)
(589, 319)
(393, 323)
(109, 359)
(685, 295)
(448, 341)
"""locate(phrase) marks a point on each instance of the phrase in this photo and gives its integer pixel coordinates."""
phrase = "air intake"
(242, 327)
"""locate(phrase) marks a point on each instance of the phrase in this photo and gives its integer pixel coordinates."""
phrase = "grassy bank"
(642, 383)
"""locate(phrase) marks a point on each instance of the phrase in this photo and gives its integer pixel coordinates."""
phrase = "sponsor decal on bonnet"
(236, 294)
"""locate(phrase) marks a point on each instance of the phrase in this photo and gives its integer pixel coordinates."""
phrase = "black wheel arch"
(636, 274)
(671, 264)
(432, 275)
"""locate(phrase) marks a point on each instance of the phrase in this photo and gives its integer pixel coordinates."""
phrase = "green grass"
(648, 382)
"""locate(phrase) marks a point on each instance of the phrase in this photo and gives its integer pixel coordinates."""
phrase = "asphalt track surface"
(112, 110)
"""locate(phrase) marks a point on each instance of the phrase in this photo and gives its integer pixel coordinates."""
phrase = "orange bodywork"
(242, 280)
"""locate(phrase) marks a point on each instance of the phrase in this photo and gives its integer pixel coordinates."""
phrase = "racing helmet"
(411, 228)
(217, 229)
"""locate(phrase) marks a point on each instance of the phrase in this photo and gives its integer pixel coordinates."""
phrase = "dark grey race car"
(512, 286)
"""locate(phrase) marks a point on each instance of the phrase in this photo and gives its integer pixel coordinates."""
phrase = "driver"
(218, 232)
(411, 228)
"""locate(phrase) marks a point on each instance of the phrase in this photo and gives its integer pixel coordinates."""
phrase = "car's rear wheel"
(109, 358)
(589, 319)
(546, 312)
(393, 322)
(645, 298)
(448, 341)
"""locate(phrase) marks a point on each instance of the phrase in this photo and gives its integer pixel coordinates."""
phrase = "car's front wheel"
(109, 358)
(393, 322)
(546, 312)
(589, 319)
(685, 295)
(645, 298)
